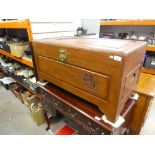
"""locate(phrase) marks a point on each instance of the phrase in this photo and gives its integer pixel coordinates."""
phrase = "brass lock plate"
(62, 55)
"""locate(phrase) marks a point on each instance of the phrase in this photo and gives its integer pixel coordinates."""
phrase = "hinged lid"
(106, 45)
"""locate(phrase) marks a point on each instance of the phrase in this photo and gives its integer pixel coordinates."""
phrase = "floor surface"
(149, 125)
(15, 118)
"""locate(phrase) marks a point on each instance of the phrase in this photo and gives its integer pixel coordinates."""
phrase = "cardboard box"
(38, 116)
(28, 98)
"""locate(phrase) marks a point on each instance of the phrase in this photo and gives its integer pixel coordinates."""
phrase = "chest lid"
(122, 47)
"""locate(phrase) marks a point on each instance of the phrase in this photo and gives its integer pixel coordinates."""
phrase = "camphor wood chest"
(101, 71)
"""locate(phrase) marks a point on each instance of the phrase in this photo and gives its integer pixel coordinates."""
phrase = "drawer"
(57, 104)
(45, 95)
(87, 123)
(46, 106)
(51, 100)
(93, 83)
(96, 128)
(77, 127)
(71, 112)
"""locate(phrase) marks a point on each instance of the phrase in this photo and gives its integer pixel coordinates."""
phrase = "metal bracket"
(117, 124)
(134, 96)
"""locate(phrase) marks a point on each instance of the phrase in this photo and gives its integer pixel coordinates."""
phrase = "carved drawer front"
(52, 100)
(78, 127)
(45, 95)
(71, 112)
(46, 106)
(57, 104)
(96, 128)
(87, 123)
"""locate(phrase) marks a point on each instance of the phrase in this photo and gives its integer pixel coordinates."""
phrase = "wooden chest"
(101, 71)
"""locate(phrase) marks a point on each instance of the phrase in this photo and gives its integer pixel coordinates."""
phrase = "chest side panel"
(130, 74)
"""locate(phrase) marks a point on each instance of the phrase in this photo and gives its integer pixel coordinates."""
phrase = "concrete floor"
(15, 118)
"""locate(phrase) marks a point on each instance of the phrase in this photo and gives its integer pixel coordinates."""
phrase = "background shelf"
(128, 22)
(118, 26)
(21, 83)
(150, 48)
(21, 60)
(18, 24)
(149, 71)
